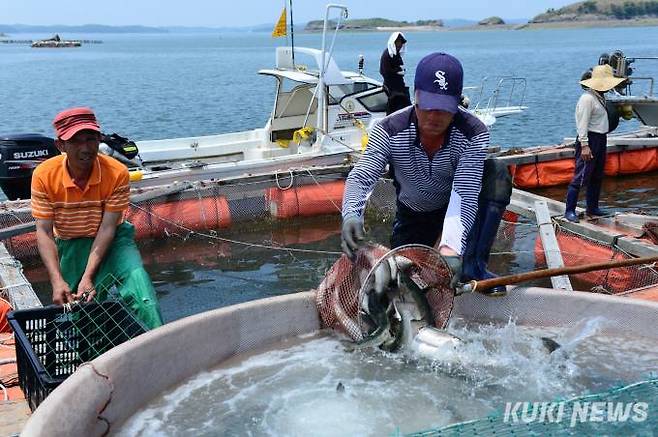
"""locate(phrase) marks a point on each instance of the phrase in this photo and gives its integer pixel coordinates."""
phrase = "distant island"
(600, 10)
(87, 28)
(492, 21)
(590, 13)
(375, 24)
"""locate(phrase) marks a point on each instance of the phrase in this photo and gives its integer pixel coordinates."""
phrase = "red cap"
(71, 121)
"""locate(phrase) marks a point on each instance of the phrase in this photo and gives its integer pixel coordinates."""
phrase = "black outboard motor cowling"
(19, 155)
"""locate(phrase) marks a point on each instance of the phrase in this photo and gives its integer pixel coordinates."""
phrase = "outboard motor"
(621, 64)
(604, 59)
(121, 149)
(19, 155)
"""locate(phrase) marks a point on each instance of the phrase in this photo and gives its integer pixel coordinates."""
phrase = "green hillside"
(372, 23)
(594, 10)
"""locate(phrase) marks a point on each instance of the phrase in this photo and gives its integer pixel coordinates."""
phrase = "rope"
(342, 143)
(229, 240)
(278, 185)
(3, 342)
(203, 209)
(310, 173)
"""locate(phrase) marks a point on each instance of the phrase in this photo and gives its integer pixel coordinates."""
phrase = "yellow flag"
(280, 29)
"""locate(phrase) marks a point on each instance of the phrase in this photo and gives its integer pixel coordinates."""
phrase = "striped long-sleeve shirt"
(453, 176)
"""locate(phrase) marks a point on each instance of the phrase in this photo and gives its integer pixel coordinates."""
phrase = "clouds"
(217, 13)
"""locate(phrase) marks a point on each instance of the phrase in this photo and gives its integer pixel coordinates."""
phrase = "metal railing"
(509, 91)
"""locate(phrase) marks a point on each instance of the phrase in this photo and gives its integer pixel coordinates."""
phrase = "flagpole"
(285, 8)
(292, 36)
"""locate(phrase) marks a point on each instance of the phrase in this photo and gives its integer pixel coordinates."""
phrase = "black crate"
(51, 343)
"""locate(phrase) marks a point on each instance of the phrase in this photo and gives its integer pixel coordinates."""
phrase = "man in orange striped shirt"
(78, 200)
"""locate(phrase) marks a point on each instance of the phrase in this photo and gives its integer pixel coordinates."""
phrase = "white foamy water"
(293, 388)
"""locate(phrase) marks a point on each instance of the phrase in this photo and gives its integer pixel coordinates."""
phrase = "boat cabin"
(350, 97)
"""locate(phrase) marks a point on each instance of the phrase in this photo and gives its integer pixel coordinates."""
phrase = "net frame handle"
(486, 284)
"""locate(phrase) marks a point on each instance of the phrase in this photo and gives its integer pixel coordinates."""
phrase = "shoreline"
(644, 22)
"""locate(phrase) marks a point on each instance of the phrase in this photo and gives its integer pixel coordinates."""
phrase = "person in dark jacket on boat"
(592, 124)
(436, 153)
(78, 201)
(391, 67)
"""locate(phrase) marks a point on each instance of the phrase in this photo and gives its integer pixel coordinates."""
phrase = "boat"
(642, 105)
(56, 42)
(349, 104)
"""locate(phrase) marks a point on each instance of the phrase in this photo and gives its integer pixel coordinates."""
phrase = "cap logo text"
(441, 80)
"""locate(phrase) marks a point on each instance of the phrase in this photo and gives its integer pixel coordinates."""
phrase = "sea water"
(176, 85)
(315, 385)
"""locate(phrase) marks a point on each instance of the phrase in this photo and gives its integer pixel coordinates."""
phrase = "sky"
(225, 13)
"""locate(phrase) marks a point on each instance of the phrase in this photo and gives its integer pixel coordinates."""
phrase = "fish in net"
(417, 294)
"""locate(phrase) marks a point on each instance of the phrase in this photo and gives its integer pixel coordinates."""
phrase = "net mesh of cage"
(343, 296)
(577, 250)
(624, 410)
(256, 213)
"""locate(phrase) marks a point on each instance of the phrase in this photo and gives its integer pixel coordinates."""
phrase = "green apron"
(122, 263)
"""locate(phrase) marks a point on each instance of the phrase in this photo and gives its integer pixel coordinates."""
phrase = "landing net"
(342, 297)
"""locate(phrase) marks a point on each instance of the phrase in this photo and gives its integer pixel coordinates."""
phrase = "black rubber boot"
(479, 243)
(470, 267)
(571, 203)
(494, 197)
(592, 199)
(491, 218)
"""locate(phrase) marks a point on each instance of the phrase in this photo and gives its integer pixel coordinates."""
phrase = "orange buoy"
(5, 307)
(525, 176)
(551, 173)
(154, 220)
(637, 161)
(612, 164)
(558, 172)
(306, 201)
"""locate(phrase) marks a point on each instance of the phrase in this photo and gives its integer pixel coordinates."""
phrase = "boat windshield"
(337, 92)
(295, 108)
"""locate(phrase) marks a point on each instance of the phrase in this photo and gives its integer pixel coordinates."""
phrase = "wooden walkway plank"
(14, 284)
(523, 203)
(551, 248)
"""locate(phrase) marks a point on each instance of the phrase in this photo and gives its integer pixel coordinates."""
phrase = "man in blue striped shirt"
(435, 151)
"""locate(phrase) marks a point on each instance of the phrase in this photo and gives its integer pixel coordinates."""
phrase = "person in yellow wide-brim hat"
(592, 126)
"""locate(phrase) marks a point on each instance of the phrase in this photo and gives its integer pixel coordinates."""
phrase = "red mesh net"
(578, 250)
(342, 294)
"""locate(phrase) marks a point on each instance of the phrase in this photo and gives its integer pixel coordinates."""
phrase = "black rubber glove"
(352, 234)
(455, 265)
